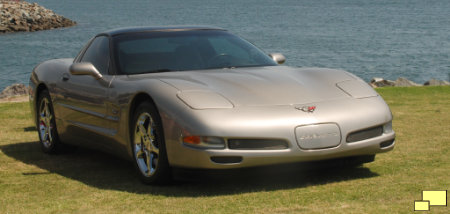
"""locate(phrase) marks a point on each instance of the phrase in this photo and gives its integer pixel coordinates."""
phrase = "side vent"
(257, 144)
(365, 134)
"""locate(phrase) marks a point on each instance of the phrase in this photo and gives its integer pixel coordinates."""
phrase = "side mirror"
(278, 58)
(85, 68)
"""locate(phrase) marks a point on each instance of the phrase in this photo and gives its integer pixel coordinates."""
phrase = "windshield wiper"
(235, 66)
(157, 71)
(248, 66)
(221, 67)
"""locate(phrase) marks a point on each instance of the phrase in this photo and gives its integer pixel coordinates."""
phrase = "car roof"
(126, 30)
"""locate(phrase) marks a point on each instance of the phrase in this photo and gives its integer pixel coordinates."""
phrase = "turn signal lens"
(204, 142)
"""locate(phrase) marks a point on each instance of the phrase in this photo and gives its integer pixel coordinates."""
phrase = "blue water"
(382, 38)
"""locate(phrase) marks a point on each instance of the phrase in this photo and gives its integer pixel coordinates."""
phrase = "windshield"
(184, 50)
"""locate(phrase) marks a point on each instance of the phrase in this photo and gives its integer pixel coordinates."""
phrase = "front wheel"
(148, 146)
(46, 125)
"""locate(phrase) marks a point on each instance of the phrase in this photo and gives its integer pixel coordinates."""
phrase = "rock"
(380, 82)
(14, 90)
(19, 28)
(435, 82)
(403, 82)
(23, 16)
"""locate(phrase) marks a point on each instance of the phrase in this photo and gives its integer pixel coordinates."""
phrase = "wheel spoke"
(137, 137)
(152, 131)
(138, 151)
(50, 117)
(141, 123)
(153, 162)
(148, 161)
(152, 138)
(49, 134)
(42, 116)
(147, 145)
(42, 121)
(142, 129)
(154, 148)
(46, 111)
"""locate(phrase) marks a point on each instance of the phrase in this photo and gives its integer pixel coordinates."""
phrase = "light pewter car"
(201, 97)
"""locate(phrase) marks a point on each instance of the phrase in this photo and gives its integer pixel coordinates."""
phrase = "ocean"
(381, 38)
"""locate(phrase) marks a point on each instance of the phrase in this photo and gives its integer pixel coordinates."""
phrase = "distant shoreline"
(19, 92)
(21, 16)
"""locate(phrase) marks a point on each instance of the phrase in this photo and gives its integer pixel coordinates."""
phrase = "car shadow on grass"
(105, 171)
(30, 129)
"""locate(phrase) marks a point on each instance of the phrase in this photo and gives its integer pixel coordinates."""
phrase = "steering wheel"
(220, 60)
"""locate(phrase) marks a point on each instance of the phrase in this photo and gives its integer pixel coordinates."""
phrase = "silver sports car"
(201, 97)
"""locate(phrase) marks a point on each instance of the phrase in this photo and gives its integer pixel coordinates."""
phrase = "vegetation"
(89, 181)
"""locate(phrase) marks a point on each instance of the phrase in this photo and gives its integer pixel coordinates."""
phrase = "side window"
(98, 54)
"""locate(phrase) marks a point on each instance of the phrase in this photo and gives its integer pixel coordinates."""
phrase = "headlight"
(204, 100)
(357, 89)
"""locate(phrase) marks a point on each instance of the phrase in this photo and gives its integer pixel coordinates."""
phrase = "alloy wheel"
(145, 145)
(45, 123)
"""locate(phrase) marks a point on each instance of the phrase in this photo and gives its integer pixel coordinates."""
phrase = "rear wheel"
(46, 125)
(148, 146)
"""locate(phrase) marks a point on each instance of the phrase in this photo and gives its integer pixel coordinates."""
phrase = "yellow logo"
(431, 198)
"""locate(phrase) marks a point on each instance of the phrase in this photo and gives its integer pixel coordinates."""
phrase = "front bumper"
(279, 122)
(228, 158)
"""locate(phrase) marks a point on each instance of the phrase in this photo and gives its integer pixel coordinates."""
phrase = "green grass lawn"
(89, 181)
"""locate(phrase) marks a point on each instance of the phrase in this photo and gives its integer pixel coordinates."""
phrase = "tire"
(148, 146)
(46, 126)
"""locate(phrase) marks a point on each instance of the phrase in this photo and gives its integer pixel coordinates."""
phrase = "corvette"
(201, 97)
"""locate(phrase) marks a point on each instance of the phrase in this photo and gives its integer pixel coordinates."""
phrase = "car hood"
(258, 86)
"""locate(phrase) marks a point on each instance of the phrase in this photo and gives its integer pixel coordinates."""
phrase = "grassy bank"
(93, 182)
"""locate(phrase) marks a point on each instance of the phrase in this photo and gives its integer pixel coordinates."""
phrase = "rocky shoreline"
(21, 16)
(14, 93)
(403, 82)
(21, 90)
(14, 90)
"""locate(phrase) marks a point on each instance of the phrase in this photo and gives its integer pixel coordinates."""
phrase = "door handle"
(65, 77)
